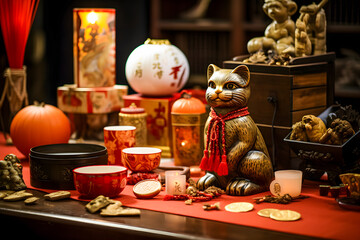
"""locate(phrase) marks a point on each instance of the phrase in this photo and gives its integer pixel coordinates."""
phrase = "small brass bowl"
(353, 181)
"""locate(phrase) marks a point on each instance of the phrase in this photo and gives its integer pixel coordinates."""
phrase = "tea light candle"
(175, 183)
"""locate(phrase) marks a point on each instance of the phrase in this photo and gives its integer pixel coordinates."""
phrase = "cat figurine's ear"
(211, 69)
(244, 73)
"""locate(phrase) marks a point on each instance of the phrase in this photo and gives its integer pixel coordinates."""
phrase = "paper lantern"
(157, 68)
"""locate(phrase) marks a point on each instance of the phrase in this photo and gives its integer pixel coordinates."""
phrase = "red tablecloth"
(321, 216)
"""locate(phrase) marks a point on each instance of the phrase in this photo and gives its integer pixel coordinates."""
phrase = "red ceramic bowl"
(141, 159)
(107, 180)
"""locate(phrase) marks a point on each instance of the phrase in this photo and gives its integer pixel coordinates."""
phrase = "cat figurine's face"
(228, 89)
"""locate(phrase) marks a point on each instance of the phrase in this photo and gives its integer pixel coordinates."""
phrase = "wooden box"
(281, 95)
(96, 100)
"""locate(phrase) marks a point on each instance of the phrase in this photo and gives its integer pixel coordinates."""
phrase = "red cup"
(95, 180)
(334, 191)
(324, 190)
(117, 138)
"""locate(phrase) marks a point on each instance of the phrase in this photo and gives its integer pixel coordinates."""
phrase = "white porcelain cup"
(287, 182)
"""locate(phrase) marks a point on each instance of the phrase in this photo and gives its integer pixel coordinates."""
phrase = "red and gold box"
(72, 99)
(158, 120)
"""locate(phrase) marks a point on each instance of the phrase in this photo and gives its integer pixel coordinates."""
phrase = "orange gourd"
(39, 124)
(188, 104)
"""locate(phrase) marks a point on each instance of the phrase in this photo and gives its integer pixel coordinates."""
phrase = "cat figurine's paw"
(242, 187)
(206, 181)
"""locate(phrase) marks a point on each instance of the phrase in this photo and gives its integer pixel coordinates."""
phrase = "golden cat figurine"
(235, 156)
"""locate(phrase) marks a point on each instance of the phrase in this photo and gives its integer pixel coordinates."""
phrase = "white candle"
(175, 183)
(287, 182)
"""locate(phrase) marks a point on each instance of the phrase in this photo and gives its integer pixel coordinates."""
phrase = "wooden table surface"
(68, 219)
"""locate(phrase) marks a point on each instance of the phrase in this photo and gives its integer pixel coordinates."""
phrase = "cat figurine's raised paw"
(235, 156)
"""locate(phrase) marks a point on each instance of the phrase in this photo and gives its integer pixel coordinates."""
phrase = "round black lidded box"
(51, 165)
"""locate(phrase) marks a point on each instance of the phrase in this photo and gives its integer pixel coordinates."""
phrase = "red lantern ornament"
(188, 116)
(39, 124)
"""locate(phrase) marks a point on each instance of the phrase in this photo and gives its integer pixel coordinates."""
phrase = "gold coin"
(285, 215)
(239, 207)
(266, 212)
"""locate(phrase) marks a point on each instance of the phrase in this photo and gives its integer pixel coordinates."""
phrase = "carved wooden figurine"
(302, 40)
(313, 16)
(310, 128)
(279, 35)
(235, 155)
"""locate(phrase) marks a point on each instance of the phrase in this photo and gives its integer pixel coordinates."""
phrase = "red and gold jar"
(135, 116)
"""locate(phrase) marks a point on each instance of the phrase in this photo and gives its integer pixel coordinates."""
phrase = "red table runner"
(321, 216)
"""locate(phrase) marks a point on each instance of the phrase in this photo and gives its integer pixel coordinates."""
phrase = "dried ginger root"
(338, 133)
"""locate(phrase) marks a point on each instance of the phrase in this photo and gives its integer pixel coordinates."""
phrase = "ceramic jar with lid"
(135, 116)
